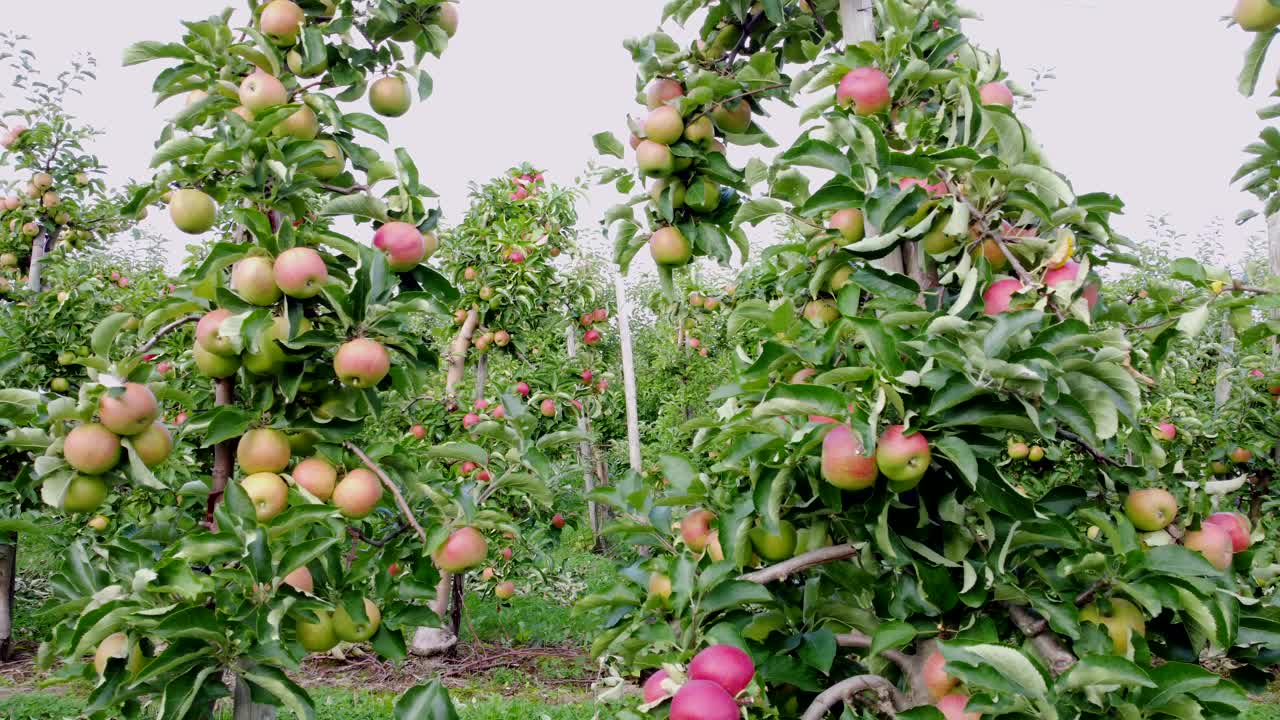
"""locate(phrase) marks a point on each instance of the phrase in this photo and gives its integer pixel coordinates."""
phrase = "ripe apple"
(700, 131)
(661, 91)
(821, 312)
(447, 18)
(214, 366)
(281, 21)
(403, 244)
(695, 528)
(522, 389)
(1018, 450)
(664, 125)
(1035, 453)
(318, 636)
(1213, 542)
(346, 627)
(996, 93)
(703, 700)
(558, 521)
(654, 159)
(153, 445)
(1237, 526)
(548, 408)
(774, 546)
(300, 580)
(98, 523)
(845, 462)
(501, 338)
(1241, 455)
(733, 117)
(660, 585)
(268, 493)
(302, 124)
(336, 163)
(357, 494)
(866, 89)
(902, 458)
(464, 549)
(591, 337)
(85, 493)
(1165, 431)
(254, 279)
(418, 431)
(953, 707)
(470, 420)
(207, 336)
(300, 272)
(668, 246)
(361, 363)
(653, 690)
(850, 223)
(725, 665)
(505, 590)
(1217, 467)
(999, 296)
(128, 411)
(390, 96)
(1124, 618)
(507, 553)
(263, 450)
(1256, 15)
(936, 679)
(1068, 273)
(317, 477)
(192, 211)
(92, 449)
(261, 90)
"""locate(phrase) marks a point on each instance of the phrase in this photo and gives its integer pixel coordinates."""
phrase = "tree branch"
(847, 689)
(786, 568)
(1084, 444)
(166, 330)
(377, 542)
(395, 491)
(1046, 643)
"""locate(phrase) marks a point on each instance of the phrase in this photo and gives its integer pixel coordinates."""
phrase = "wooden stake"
(628, 375)
(246, 708)
(8, 584)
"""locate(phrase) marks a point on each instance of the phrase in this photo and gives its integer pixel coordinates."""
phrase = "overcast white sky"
(1143, 105)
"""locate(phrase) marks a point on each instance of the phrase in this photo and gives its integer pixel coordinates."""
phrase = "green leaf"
(818, 649)
(367, 123)
(148, 50)
(755, 212)
(959, 453)
(178, 147)
(300, 554)
(1094, 670)
(1254, 58)
(290, 694)
(891, 636)
(425, 702)
(105, 333)
(359, 205)
(607, 144)
(459, 451)
(735, 594)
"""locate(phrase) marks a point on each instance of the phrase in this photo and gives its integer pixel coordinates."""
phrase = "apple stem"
(166, 330)
(392, 488)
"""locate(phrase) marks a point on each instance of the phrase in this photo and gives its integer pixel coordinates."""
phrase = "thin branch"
(846, 690)
(1086, 597)
(1084, 444)
(1046, 643)
(377, 542)
(395, 491)
(789, 567)
(345, 190)
(166, 330)
(741, 45)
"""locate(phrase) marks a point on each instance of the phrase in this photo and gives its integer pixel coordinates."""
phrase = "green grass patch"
(330, 705)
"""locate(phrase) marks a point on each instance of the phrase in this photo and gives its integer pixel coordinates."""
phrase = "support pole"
(584, 449)
(8, 585)
(628, 375)
(246, 708)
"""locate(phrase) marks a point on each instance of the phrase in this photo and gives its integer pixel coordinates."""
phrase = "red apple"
(703, 700)
(866, 89)
(403, 244)
(1151, 509)
(1236, 525)
(998, 297)
(464, 549)
(653, 690)
(902, 458)
(696, 529)
(522, 389)
(995, 93)
(661, 91)
(361, 363)
(845, 462)
(300, 272)
(1213, 542)
(936, 679)
(953, 706)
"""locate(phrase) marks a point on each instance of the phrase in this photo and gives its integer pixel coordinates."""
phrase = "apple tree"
(303, 333)
(856, 539)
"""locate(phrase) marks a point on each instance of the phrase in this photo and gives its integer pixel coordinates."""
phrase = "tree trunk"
(8, 583)
(584, 450)
(245, 708)
(1222, 390)
(436, 640)
(224, 453)
(39, 246)
(628, 376)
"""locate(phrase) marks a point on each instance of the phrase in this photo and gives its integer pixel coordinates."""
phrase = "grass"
(330, 705)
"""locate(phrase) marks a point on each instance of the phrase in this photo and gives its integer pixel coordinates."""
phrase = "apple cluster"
(712, 681)
(670, 145)
(901, 456)
(94, 449)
